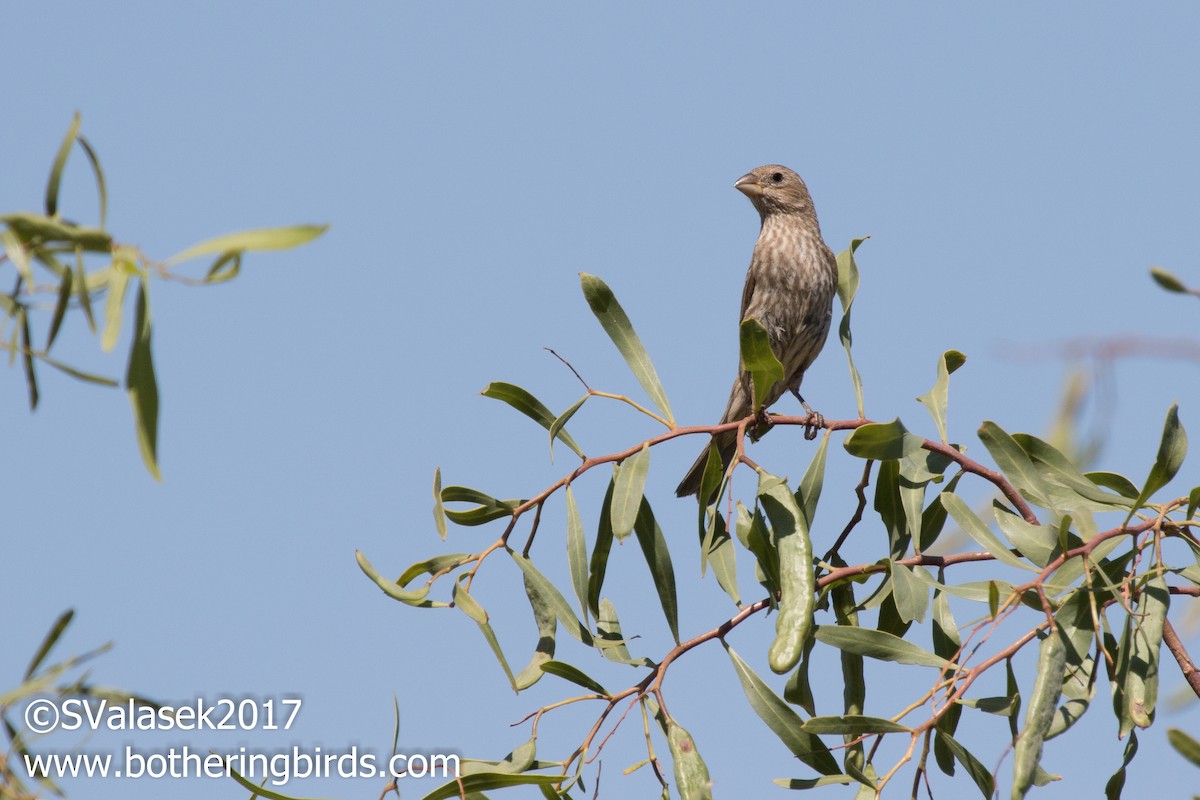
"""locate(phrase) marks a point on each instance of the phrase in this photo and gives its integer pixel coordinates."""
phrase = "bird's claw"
(814, 423)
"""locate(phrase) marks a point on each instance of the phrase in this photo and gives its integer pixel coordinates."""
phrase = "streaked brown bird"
(789, 289)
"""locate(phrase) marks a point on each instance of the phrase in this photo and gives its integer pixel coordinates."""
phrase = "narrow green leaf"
(27, 359)
(547, 626)
(1014, 463)
(227, 267)
(629, 486)
(611, 640)
(618, 327)
(257, 790)
(531, 407)
(1111, 480)
(472, 785)
(910, 594)
(1112, 790)
(79, 374)
(1193, 502)
(716, 548)
(48, 641)
(469, 606)
(577, 557)
(936, 399)
(48, 230)
(1171, 450)
(432, 565)
(60, 307)
(562, 609)
(142, 386)
(878, 645)
(516, 762)
(658, 559)
(82, 291)
(847, 288)
(17, 255)
(489, 508)
(1185, 745)
(439, 510)
(973, 526)
(560, 422)
(101, 188)
(575, 675)
(598, 565)
(392, 588)
(813, 481)
(759, 360)
(259, 239)
(60, 161)
(1058, 469)
(882, 441)
(1167, 280)
(113, 309)
(781, 719)
(1038, 543)
(978, 772)
(812, 783)
(853, 725)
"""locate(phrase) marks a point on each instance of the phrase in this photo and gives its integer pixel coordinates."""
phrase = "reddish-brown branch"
(1186, 666)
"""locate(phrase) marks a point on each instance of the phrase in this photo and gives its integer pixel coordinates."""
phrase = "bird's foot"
(814, 423)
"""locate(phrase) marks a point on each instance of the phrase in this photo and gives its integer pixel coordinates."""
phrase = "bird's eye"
(777, 177)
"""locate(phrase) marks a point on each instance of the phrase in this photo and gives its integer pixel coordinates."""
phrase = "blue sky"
(1017, 168)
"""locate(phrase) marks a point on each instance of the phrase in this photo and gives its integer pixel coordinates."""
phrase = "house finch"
(789, 289)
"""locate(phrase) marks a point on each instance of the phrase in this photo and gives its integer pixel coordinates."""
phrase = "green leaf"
(227, 267)
(618, 327)
(813, 481)
(882, 441)
(432, 565)
(575, 675)
(781, 719)
(600, 551)
(910, 594)
(878, 645)
(547, 626)
(577, 557)
(1186, 746)
(51, 638)
(658, 559)
(974, 527)
(1057, 469)
(531, 407)
(82, 291)
(257, 791)
(847, 288)
(489, 508)
(60, 307)
(113, 309)
(629, 486)
(759, 360)
(853, 725)
(1014, 463)
(1167, 280)
(978, 772)
(259, 239)
(469, 606)
(439, 510)
(611, 641)
(1193, 502)
(142, 386)
(1111, 480)
(1038, 543)
(936, 398)
(471, 785)
(1112, 790)
(392, 588)
(100, 380)
(562, 609)
(53, 231)
(812, 783)
(94, 160)
(561, 420)
(27, 358)
(516, 762)
(60, 161)
(1171, 450)
(17, 255)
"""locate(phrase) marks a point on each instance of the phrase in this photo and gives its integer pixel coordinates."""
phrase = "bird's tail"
(726, 444)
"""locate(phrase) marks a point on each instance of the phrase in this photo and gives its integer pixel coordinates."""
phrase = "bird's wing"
(747, 292)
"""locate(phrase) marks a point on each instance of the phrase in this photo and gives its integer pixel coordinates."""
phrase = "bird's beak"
(748, 185)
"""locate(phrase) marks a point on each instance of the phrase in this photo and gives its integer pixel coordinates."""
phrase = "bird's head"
(775, 189)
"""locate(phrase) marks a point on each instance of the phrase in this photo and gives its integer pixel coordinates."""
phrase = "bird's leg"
(816, 420)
